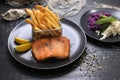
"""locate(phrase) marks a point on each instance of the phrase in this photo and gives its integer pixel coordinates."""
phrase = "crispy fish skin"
(55, 47)
(60, 47)
(41, 49)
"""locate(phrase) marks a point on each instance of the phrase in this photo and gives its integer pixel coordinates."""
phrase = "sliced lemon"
(23, 47)
(21, 40)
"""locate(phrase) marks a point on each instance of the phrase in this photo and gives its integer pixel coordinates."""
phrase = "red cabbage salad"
(105, 23)
(93, 18)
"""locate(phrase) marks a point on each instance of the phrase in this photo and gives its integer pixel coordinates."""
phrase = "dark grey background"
(100, 61)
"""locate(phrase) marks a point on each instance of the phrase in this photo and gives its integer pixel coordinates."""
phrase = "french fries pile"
(44, 19)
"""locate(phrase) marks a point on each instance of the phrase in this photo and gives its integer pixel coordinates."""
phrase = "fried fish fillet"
(55, 47)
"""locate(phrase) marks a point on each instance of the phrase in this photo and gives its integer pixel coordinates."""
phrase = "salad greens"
(106, 20)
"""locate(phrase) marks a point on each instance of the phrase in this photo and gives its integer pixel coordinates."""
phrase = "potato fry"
(44, 19)
(52, 14)
(39, 15)
(47, 23)
(52, 26)
(39, 7)
(33, 25)
(48, 11)
(29, 11)
(41, 22)
(37, 18)
(51, 19)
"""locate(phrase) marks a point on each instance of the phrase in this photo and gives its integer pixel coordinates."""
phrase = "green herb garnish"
(104, 26)
(102, 16)
(106, 20)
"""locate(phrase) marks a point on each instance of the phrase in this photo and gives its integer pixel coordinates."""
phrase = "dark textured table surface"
(100, 61)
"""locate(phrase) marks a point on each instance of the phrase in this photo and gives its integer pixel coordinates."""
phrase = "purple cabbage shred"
(93, 18)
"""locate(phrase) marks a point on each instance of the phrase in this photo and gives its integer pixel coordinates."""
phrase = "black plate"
(70, 30)
(91, 33)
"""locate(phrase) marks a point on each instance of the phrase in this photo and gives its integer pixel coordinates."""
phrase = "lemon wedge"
(23, 47)
(21, 40)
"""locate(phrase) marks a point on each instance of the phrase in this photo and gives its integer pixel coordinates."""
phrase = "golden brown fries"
(52, 14)
(43, 19)
(34, 25)
(30, 12)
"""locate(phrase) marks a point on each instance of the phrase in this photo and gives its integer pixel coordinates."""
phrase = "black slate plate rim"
(92, 34)
(46, 68)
